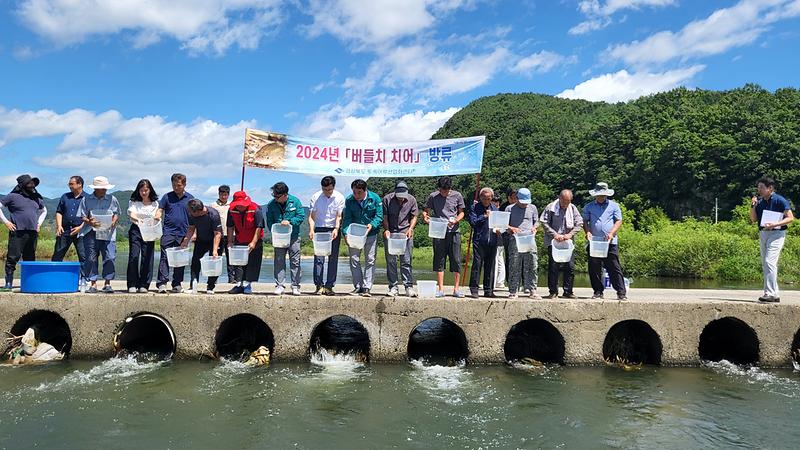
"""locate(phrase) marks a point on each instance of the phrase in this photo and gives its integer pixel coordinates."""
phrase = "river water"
(338, 403)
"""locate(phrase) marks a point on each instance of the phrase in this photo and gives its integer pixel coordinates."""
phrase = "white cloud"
(623, 86)
(724, 29)
(599, 13)
(542, 62)
(377, 22)
(129, 149)
(385, 122)
(437, 74)
(207, 26)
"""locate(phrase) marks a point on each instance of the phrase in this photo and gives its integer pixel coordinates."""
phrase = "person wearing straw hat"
(27, 214)
(560, 220)
(363, 207)
(400, 212)
(522, 267)
(286, 210)
(99, 240)
(602, 219)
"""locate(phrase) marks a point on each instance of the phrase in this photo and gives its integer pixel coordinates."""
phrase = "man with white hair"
(560, 220)
(602, 219)
(484, 244)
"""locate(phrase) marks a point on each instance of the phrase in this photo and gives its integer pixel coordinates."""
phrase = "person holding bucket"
(362, 207)
(325, 216)
(399, 218)
(99, 232)
(522, 265)
(206, 226)
(602, 219)
(175, 220)
(484, 244)
(246, 228)
(447, 204)
(142, 210)
(286, 210)
(27, 214)
(222, 205)
(560, 220)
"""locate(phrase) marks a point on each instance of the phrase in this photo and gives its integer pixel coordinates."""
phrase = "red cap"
(240, 198)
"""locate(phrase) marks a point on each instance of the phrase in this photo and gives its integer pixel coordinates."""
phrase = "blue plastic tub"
(45, 277)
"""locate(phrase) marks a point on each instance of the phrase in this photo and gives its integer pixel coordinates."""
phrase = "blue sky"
(139, 89)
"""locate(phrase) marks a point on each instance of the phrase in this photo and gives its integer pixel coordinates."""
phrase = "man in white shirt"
(325, 216)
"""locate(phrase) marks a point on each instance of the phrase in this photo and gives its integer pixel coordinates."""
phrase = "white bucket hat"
(101, 183)
(601, 189)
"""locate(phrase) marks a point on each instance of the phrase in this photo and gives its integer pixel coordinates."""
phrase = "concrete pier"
(666, 326)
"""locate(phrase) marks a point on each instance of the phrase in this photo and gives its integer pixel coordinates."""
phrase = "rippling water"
(336, 402)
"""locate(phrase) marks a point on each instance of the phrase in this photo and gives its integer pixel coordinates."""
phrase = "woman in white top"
(142, 210)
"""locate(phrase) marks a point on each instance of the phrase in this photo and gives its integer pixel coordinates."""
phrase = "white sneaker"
(295, 290)
(410, 292)
(535, 295)
(279, 290)
(143, 290)
(189, 291)
(393, 292)
(162, 289)
(210, 291)
(132, 290)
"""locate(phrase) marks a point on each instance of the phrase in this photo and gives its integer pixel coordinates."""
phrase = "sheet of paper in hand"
(770, 217)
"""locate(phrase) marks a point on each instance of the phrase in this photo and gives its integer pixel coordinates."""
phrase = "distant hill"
(677, 150)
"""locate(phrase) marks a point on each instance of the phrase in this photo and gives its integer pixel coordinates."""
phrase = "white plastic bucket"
(238, 255)
(525, 242)
(426, 288)
(598, 247)
(437, 229)
(178, 257)
(499, 219)
(357, 236)
(150, 229)
(323, 243)
(211, 266)
(396, 244)
(562, 251)
(281, 235)
(103, 216)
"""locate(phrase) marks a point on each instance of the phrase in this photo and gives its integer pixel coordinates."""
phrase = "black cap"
(22, 180)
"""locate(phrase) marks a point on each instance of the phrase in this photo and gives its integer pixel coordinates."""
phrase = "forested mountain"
(677, 150)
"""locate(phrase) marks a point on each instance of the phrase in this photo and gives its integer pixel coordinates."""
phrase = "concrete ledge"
(678, 317)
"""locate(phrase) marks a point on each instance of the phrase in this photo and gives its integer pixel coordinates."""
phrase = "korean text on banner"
(351, 158)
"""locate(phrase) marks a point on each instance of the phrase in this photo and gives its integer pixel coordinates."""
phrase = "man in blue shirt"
(484, 244)
(602, 219)
(99, 239)
(68, 224)
(363, 207)
(27, 214)
(773, 214)
(174, 212)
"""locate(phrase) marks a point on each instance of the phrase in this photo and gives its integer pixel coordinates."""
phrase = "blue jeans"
(95, 248)
(168, 241)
